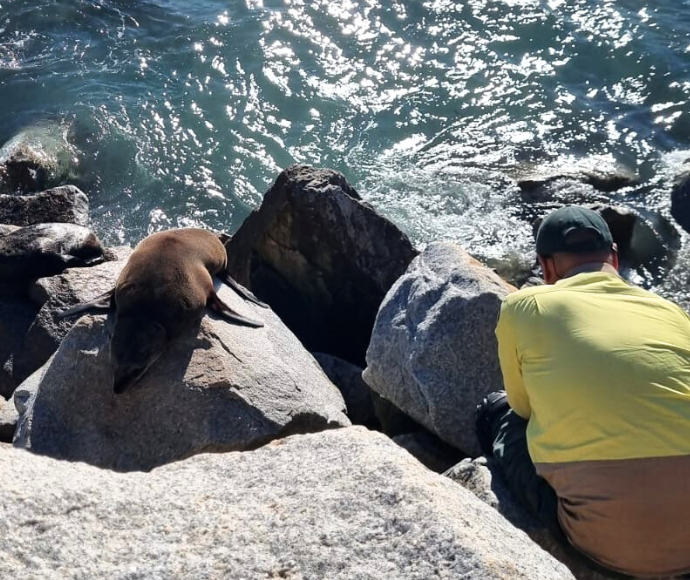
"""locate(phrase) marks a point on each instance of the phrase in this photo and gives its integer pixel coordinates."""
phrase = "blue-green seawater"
(183, 112)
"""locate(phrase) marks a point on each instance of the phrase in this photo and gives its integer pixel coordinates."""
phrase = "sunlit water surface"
(182, 113)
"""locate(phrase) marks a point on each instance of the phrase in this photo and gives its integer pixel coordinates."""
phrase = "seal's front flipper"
(217, 305)
(71, 261)
(241, 290)
(103, 302)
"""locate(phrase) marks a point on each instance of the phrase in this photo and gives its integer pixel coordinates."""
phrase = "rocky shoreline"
(363, 329)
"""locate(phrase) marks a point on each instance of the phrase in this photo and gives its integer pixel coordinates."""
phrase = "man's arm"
(510, 363)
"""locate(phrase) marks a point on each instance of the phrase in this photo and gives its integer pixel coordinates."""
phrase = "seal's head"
(137, 343)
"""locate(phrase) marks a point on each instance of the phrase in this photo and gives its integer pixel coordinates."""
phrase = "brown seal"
(161, 292)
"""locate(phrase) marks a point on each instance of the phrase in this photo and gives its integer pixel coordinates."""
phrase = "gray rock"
(35, 159)
(433, 351)
(16, 317)
(321, 258)
(56, 293)
(7, 229)
(341, 505)
(357, 394)
(223, 388)
(484, 479)
(8, 420)
(66, 204)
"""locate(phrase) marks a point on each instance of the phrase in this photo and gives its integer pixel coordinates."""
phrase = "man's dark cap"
(573, 230)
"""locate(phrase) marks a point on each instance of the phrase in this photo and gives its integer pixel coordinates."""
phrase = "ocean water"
(182, 113)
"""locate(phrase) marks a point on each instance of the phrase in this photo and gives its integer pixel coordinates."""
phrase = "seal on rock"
(161, 292)
(46, 250)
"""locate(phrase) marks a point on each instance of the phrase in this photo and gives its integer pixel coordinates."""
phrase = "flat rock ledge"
(346, 504)
(221, 388)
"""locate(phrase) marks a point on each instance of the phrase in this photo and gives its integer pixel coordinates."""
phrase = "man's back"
(602, 371)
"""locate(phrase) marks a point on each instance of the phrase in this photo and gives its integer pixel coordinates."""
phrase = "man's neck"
(591, 267)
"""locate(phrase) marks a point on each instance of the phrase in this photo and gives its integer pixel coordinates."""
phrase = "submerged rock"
(66, 204)
(36, 158)
(221, 388)
(433, 352)
(546, 182)
(321, 258)
(341, 505)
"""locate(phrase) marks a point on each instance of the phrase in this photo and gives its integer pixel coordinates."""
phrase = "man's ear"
(548, 269)
(614, 256)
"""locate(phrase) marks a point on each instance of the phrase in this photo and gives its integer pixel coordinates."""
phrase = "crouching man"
(593, 430)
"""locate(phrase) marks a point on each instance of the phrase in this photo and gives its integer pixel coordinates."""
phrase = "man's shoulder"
(528, 295)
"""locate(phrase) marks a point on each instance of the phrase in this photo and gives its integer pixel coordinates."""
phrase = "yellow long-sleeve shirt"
(601, 369)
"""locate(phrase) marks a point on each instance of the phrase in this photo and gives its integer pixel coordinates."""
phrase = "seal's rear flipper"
(241, 290)
(102, 302)
(217, 305)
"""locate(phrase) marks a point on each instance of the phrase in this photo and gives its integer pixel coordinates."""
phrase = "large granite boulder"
(433, 352)
(485, 480)
(340, 505)
(65, 204)
(222, 387)
(321, 258)
(55, 294)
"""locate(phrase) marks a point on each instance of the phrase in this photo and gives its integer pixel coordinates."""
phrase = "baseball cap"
(574, 230)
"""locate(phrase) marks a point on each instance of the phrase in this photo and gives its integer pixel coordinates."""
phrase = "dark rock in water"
(57, 293)
(35, 159)
(221, 387)
(321, 258)
(680, 199)
(587, 181)
(485, 480)
(601, 174)
(515, 268)
(357, 394)
(647, 242)
(16, 317)
(66, 204)
(429, 450)
(47, 249)
(433, 352)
